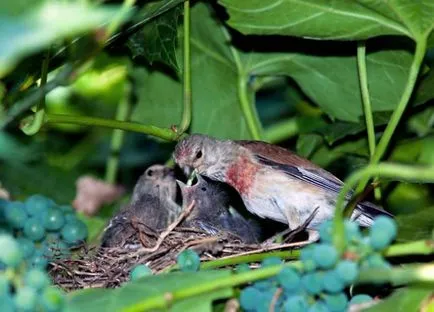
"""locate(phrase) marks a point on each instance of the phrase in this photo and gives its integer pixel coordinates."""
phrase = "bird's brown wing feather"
(283, 156)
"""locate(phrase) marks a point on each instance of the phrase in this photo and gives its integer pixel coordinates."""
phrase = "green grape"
(74, 232)
(71, 218)
(336, 302)
(37, 205)
(38, 260)
(11, 254)
(66, 209)
(5, 285)
(52, 299)
(362, 298)
(27, 246)
(25, 298)
(250, 298)
(326, 231)
(54, 219)
(36, 279)
(7, 303)
(306, 257)
(382, 232)
(375, 261)
(16, 214)
(242, 268)
(188, 261)
(33, 229)
(325, 256)
(289, 279)
(347, 271)
(332, 283)
(318, 306)
(266, 298)
(139, 271)
(265, 284)
(296, 303)
(352, 231)
(312, 282)
(271, 261)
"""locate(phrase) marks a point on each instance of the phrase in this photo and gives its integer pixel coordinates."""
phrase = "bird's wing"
(280, 156)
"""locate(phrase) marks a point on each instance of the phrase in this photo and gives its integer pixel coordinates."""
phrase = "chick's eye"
(203, 189)
(150, 173)
(199, 154)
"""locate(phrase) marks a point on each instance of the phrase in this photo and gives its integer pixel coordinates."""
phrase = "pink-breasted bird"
(273, 182)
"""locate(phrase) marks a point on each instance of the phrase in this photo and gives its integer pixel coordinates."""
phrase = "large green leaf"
(404, 300)
(29, 31)
(157, 40)
(132, 295)
(216, 74)
(419, 225)
(326, 19)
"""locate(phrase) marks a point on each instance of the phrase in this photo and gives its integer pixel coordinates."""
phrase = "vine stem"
(363, 79)
(397, 113)
(386, 170)
(122, 112)
(186, 113)
(165, 134)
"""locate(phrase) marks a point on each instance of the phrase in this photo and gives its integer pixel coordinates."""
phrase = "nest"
(95, 266)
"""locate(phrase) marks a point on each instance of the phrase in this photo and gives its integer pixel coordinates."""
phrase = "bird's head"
(207, 155)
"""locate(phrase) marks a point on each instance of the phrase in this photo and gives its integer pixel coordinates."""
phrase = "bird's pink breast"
(241, 175)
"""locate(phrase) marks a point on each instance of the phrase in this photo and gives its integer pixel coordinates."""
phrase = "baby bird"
(152, 204)
(212, 212)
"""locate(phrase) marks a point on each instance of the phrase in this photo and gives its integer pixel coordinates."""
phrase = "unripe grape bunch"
(321, 282)
(33, 233)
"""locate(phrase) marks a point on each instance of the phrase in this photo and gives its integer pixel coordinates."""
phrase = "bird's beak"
(187, 170)
(200, 179)
(191, 177)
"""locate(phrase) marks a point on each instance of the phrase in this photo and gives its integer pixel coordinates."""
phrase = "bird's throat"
(241, 175)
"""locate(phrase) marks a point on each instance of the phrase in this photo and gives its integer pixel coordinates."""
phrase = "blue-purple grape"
(312, 282)
(16, 214)
(139, 271)
(325, 255)
(347, 271)
(33, 229)
(289, 279)
(336, 302)
(295, 303)
(11, 254)
(382, 232)
(332, 282)
(362, 298)
(250, 298)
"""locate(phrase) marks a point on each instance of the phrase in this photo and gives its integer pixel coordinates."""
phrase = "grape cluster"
(44, 230)
(322, 280)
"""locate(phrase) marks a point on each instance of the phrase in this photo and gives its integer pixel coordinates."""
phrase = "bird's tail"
(366, 212)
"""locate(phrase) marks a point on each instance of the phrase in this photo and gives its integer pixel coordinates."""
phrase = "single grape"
(325, 256)
(52, 299)
(375, 261)
(7, 303)
(74, 232)
(312, 282)
(336, 302)
(326, 231)
(362, 298)
(264, 284)
(296, 303)
(347, 271)
(33, 229)
(352, 231)
(5, 285)
(16, 214)
(242, 268)
(38, 260)
(270, 261)
(188, 261)
(289, 279)
(250, 298)
(332, 283)
(37, 205)
(27, 246)
(382, 232)
(318, 306)
(139, 271)
(266, 298)
(36, 279)
(306, 257)
(25, 298)
(11, 254)
(70, 218)
(54, 219)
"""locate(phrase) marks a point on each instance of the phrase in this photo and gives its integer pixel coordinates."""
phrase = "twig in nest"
(163, 235)
(273, 302)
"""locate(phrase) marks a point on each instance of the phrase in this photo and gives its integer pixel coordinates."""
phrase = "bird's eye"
(150, 173)
(203, 189)
(199, 154)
